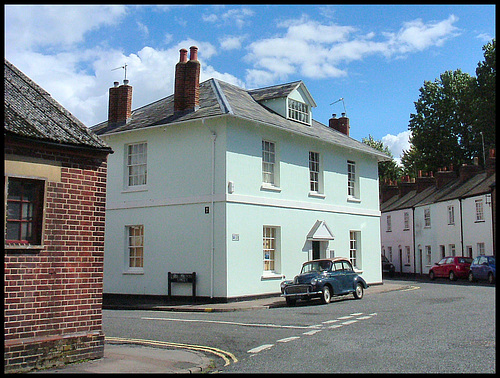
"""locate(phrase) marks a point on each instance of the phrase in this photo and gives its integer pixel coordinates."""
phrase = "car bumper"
(300, 290)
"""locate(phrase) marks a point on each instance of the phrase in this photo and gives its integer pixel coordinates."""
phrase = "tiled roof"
(219, 98)
(31, 112)
(476, 185)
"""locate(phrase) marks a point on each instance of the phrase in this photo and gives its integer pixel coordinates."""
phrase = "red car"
(452, 267)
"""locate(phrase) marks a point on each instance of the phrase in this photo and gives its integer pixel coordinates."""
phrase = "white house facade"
(240, 187)
(447, 216)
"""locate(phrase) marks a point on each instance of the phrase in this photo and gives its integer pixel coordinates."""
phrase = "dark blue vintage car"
(324, 278)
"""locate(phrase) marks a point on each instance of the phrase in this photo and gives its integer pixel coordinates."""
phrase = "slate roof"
(218, 98)
(30, 112)
(479, 184)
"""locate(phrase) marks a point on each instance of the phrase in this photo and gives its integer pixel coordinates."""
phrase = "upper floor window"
(314, 172)
(298, 111)
(352, 189)
(451, 215)
(137, 164)
(479, 211)
(427, 217)
(406, 221)
(268, 162)
(25, 208)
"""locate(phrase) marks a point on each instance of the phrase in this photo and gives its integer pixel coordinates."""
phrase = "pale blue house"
(239, 186)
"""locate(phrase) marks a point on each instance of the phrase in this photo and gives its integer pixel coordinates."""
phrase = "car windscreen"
(316, 266)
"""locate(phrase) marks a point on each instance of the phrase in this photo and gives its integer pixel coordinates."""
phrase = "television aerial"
(124, 67)
(343, 103)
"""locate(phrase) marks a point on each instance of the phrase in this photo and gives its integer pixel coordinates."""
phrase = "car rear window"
(465, 260)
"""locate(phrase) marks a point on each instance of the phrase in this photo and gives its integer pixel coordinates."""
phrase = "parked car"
(324, 278)
(483, 268)
(452, 267)
(387, 266)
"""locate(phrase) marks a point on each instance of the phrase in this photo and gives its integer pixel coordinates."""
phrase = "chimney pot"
(193, 53)
(183, 55)
(116, 84)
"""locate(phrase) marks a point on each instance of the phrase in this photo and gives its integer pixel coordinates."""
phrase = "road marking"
(364, 317)
(331, 321)
(233, 323)
(411, 288)
(349, 322)
(357, 314)
(336, 326)
(310, 333)
(287, 339)
(218, 352)
(260, 348)
(345, 317)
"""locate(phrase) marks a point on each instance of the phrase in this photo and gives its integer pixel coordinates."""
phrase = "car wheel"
(327, 295)
(491, 279)
(432, 275)
(358, 293)
(290, 301)
(471, 277)
(452, 275)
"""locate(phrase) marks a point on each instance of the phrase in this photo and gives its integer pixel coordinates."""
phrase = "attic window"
(298, 111)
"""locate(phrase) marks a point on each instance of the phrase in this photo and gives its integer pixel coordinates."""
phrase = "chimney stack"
(340, 124)
(120, 103)
(466, 172)
(187, 81)
(443, 177)
(423, 182)
(490, 162)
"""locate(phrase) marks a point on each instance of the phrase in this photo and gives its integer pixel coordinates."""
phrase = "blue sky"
(375, 57)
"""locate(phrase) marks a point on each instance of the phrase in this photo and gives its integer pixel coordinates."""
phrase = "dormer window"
(298, 111)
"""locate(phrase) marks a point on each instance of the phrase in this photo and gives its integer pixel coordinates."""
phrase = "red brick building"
(55, 191)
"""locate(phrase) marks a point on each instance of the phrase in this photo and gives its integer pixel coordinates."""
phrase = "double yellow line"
(226, 356)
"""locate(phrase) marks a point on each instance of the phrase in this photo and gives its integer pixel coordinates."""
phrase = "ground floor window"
(135, 247)
(24, 208)
(354, 251)
(270, 248)
(429, 254)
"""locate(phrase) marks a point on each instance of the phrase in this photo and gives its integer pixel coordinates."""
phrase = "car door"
(439, 268)
(348, 277)
(482, 270)
(336, 277)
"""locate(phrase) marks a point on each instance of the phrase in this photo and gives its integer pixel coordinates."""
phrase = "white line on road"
(310, 333)
(287, 339)
(331, 321)
(233, 323)
(260, 348)
(349, 322)
(364, 317)
(336, 326)
(357, 314)
(346, 317)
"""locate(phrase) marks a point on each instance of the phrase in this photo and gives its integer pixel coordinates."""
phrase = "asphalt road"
(430, 327)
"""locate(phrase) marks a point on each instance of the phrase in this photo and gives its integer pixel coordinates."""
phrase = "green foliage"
(452, 115)
(386, 169)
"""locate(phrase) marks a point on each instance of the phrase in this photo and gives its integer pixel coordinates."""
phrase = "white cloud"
(317, 49)
(238, 17)
(231, 42)
(29, 26)
(397, 143)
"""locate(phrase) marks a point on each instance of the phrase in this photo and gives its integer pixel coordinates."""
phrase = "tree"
(386, 169)
(454, 114)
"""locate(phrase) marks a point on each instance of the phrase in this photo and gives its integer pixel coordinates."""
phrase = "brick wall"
(53, 297)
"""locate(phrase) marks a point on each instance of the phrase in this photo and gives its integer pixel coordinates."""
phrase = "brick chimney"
(187, 81)
(443, 177)
(340, 124)
(405, 186)
(388, 189)
(120, 103)
(466, 172)
(423, 182)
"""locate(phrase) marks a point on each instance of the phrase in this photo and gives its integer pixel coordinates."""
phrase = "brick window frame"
(25, 204)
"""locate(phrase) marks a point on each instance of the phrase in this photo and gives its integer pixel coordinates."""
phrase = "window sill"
(353, 199)
(270, 188)
(271, 276)
(23, 247)
(134, 272)
(479, 221)
(141, 188)
(316, 195)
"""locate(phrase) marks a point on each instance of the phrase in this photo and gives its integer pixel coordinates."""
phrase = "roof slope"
(31, 112)
(220, 98)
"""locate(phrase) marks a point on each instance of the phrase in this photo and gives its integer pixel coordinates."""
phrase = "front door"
(316, 249)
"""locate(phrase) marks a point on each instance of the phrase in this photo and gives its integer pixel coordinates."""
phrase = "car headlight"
(314, 281)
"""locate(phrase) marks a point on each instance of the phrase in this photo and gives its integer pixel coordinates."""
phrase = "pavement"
(147, 356)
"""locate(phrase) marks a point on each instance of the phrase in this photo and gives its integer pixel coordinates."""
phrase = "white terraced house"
(239, 186)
